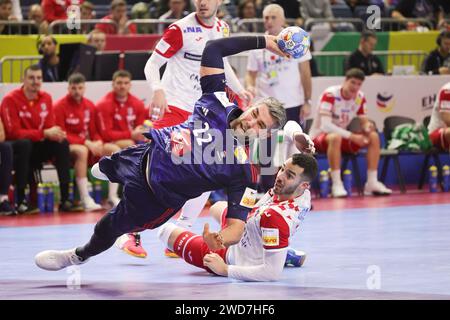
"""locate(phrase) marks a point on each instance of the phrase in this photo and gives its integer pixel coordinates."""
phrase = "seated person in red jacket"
(75, 115)
(57, 9)
(120, 117)
(119, 16)
(27, 115)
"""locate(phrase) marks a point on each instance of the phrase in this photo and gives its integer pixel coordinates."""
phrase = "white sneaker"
(90, 205)
(114, 201)
(376, 189)
(338, 190)
(53, 260)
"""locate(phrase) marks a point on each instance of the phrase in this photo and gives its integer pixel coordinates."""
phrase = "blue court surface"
(398, 252)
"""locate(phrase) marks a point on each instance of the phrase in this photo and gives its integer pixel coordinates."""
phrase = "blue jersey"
(193, 157)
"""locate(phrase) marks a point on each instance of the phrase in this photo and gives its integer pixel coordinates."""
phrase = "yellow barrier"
(26, 46)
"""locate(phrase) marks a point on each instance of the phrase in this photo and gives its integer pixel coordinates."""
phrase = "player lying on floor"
(261, 253)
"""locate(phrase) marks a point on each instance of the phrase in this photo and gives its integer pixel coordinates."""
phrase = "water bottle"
(324, 184)
(98, 192)
(11, 194)
(41, 197)
(71, 192)
(50, 198)
(348, 181)
(27, 193)
(90, 190)
(446, 178)
(433, 179)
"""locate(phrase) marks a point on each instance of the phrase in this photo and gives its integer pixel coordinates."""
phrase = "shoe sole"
(376, 193)
(302, 260)
(142, 256)
(171, 255)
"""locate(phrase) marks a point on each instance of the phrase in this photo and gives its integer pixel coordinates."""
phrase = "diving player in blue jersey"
(205, 153)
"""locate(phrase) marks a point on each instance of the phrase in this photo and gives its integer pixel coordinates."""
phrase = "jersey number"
(198, 134)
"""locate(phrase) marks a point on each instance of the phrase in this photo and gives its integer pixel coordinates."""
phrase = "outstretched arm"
(215, 50)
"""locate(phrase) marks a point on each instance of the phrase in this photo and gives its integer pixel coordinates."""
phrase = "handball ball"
(295, 41)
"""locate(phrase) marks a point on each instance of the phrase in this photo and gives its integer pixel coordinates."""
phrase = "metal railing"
(83, 27)
(20, 27)
(331, 63)
(386, 24)
(17, 65)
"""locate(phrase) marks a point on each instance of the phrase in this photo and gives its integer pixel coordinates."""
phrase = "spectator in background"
(141, 11)
(76, 116)
(97, 39)
(247, 10)
(119, 16)
(57, 9)
(5, 15)
(427, 9)
(120, 118)
(87, 11)
(438, 61)
(352, 4)
(316, 9)
(6, 166)
(36, 14)
(27, 115)
(363, 58)
(49, 63)
(176, 11)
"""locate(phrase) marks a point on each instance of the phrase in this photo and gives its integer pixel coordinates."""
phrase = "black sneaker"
(6, 209)
(25, 208)
(69, 206)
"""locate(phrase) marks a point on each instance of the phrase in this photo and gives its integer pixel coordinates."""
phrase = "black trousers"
(6, 166)
(29, 155)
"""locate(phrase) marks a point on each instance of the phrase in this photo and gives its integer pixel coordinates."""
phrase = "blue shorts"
(139, 209)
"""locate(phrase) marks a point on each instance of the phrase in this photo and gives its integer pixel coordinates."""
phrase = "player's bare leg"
(80, 153)
(373, 186)
(334, 142)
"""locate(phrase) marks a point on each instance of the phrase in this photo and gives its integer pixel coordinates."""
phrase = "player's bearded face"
(121, 86)
(288, 179)
(207, 9)
(254, 122)
(77, 90)
(352, 86)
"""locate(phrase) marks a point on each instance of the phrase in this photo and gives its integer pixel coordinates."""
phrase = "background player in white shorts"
(260, 255)
(439, 127)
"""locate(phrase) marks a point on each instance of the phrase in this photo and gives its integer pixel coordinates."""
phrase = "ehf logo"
(385, 102)
(289, 43)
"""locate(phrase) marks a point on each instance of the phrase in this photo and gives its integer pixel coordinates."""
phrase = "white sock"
(113, 187)
(164, 233)
(192, 209)
(372, 176)
(82, 184)
(95, 171)
(3, 197)
(336, 177)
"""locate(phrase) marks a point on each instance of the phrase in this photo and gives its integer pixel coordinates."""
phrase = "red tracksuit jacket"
(26, 119)
(115, 120)
(76, 119)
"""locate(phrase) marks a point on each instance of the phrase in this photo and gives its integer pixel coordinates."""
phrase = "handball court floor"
(395, 247)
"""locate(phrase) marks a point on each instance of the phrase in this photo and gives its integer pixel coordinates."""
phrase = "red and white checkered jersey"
(269, 226)
(183, 43)
(442, 103)
(341, 110)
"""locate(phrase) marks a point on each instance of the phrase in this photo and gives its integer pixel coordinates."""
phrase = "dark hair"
(2, 2)
(118, 3)
(355, 73)
(443, 35)
(76, 78)
(121, 74)
(368, 34)
(308, 163)
(242, 6)
(33, 67)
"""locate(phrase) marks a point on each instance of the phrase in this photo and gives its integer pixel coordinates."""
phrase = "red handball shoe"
(131, 243)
